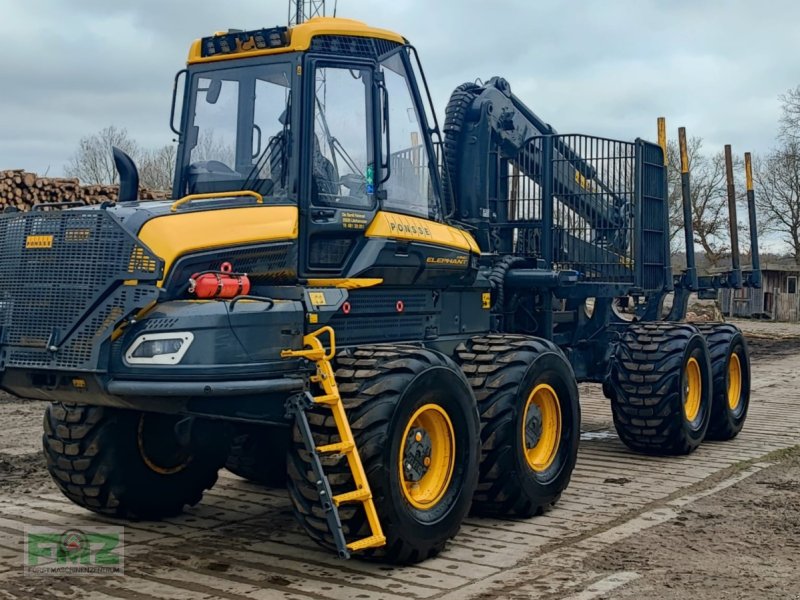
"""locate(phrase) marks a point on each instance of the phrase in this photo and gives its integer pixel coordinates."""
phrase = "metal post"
(662, 137)
(755, 275)
(669, 278)
(547, 201)
(735, 279)
(547, 232)
(498, 171)
(686, 196)
(301, 11)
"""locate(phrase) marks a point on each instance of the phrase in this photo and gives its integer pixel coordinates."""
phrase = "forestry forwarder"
(403, 336)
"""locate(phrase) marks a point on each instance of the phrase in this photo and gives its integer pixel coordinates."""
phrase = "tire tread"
(646, 395)
(371, 382)
(495, 366)
(84, 452)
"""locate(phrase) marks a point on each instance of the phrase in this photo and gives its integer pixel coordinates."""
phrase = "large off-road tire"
(730, 365)
(661, 388)
(398, 399)
(258, 454)
(530, 422)
(128, 463)
(454, 124)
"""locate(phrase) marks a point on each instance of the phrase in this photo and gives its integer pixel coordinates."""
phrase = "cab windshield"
(238, 133)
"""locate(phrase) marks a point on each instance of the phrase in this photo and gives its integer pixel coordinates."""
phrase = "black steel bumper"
(121, 387)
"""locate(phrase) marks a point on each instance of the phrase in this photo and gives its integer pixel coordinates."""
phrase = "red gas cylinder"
(219, 284)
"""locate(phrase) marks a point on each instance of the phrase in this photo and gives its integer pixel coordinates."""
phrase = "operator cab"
(327, 115)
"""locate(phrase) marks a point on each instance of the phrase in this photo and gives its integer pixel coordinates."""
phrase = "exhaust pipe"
(128, 176)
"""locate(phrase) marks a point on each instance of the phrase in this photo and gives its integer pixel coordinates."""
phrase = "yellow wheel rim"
(734, 382)
(173, 461)
(541, 427)
(693, 391)
(427, 456)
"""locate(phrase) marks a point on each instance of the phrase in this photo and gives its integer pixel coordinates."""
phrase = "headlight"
(159, 348)
(151, 348)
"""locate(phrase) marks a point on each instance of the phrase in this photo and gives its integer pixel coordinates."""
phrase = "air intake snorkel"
(128, 176)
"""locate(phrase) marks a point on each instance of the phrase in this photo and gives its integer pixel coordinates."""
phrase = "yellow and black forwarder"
(387, 319)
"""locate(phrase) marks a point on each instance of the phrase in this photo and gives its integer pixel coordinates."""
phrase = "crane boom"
(486, 123)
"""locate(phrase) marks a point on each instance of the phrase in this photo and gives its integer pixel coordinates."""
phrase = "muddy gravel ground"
(22, 465)
(742, 541)
(761, 347)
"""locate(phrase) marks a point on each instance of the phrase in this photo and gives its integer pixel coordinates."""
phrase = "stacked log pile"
(23, 190)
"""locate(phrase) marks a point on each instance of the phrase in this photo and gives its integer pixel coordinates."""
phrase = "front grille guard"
(67, 280)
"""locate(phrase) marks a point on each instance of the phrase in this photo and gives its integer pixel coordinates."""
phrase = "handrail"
(186, 199)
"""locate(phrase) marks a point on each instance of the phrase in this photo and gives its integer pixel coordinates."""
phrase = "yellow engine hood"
(172, 235)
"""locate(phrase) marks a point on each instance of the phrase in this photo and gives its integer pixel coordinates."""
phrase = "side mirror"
(213, 92)
(128, 176)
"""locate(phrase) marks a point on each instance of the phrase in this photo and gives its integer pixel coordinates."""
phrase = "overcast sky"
(608, 68)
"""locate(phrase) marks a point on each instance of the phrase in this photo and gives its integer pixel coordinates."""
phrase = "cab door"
(422, 249)
(338, 199)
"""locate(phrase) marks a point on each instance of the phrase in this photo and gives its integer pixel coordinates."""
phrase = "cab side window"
(408, 188)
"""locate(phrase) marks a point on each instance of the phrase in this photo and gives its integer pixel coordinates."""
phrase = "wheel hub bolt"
(533, 426)
(417, 454)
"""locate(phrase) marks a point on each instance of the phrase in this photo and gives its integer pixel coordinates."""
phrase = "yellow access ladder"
(314, 350)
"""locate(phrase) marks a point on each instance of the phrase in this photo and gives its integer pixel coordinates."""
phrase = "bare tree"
(211, 147)
(708, 199)
(157, 168)
(777, 179)
(93, 162)
(789, 130)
